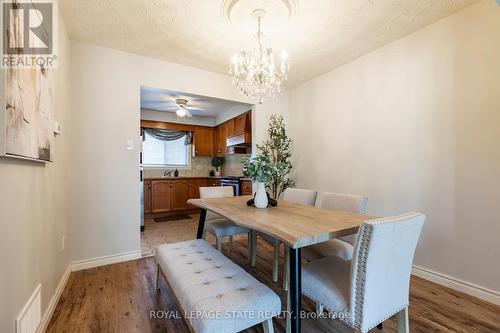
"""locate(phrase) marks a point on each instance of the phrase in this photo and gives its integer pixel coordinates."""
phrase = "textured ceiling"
(200, 106)
(319, 36)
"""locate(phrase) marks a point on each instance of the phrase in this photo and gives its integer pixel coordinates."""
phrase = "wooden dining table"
(295, 225)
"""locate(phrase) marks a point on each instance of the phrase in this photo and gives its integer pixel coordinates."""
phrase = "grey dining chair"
(374, 285)
(218, 225)
(342, 246)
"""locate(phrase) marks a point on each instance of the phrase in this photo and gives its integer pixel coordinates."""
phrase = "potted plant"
(272, 165)
(259, 169)
(216, 163)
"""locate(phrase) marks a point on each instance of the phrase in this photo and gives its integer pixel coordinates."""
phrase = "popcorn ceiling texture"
(320, 36)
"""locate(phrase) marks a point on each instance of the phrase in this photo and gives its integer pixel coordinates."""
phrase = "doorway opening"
(188, 141)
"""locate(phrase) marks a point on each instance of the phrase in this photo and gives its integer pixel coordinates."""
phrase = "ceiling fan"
(181, 108)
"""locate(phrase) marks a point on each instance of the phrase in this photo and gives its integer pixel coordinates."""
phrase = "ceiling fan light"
(181, 112)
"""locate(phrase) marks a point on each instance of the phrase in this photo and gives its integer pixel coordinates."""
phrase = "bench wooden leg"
(253, 248)
(158, 279)
(230, 242)
(268, 326)
(276, 260)
(403, 321)
(218, 244)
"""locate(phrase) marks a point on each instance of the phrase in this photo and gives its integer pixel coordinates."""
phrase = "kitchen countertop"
(180, 177)
(190, 177)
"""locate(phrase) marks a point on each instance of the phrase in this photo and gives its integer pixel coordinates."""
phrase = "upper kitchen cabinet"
(234, 136)
(241, 139)
(222, 132)
(242, 123)
(203, 141)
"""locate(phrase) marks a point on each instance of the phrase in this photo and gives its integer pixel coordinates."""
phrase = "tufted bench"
(216, 295)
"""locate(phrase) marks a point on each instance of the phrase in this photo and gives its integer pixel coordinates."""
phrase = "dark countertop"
(190, 177)
(180, 177)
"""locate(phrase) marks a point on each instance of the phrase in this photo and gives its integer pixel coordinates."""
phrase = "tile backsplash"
(232, 165)
(201, 166)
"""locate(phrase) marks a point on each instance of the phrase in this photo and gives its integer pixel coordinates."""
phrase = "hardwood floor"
(120, 298)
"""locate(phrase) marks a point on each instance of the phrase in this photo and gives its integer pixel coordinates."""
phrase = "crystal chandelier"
(255, 73)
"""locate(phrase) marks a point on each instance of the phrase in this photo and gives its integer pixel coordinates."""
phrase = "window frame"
(189, 149)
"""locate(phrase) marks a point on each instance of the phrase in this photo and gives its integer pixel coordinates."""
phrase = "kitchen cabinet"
(171, 195)
(235, 126)
(229, 127)
(218, 140)
(246, 187)
(213, 182)
(160, 196)
(222, 131)
(179, 195)
(147, 197)
(241, 123)
(203, 141)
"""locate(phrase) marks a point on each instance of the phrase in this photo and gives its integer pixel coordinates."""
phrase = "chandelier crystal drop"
(255, 73)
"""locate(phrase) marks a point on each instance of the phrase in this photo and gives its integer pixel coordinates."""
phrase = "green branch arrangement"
(272, 164)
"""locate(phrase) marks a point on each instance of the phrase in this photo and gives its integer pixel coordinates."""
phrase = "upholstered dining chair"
(293, 195)
(374, 285)
(342, 246)
(217, 225)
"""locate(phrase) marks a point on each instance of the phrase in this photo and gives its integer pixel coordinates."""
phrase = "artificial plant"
(272, 164)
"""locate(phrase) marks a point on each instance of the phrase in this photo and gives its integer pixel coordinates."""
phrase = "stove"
(233, 181)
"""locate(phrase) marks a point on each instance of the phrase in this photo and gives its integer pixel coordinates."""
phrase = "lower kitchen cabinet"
(214, 182)
(179, 195)
(160, 196)
(246, 187)
(171, 195)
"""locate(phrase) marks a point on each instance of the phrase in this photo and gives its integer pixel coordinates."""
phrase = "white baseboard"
(54, 300)
(468, 288)
(106, 260)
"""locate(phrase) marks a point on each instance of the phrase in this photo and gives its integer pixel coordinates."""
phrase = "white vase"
(261, 196)
(217, 173)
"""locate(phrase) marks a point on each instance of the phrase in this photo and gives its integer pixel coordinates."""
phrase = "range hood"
(241, 141)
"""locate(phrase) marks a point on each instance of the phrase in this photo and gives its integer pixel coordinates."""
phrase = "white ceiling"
(199, 106)
(319, 35)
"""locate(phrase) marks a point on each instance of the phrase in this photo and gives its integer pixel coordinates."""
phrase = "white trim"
(47, 315)
(485, 294)
(105, 260)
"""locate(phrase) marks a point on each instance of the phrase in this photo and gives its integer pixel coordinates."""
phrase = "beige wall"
(34, 212)
(106, 104)
(415, 126)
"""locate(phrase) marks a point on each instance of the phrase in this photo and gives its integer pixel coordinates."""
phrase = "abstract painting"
(29, 113)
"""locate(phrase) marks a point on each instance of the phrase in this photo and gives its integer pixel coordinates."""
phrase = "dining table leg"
(295, 288)
(201, 223)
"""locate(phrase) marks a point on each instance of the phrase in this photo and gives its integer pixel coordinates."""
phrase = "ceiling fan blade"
(194, 108)
(188, 114)
(170, 109)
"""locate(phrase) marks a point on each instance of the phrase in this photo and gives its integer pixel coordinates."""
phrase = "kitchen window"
(166, 154)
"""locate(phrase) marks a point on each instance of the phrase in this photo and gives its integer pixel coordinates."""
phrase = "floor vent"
(31, 315)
